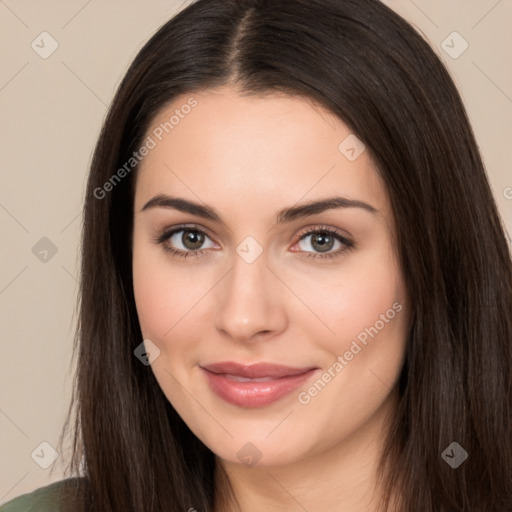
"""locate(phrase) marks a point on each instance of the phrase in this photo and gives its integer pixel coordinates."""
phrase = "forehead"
(270, 150)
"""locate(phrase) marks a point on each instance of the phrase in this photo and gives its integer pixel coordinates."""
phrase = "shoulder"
(44, 499)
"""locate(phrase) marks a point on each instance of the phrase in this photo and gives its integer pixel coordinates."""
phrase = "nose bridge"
(248, 301)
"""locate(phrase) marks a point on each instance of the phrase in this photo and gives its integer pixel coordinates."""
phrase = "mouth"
(254, 385)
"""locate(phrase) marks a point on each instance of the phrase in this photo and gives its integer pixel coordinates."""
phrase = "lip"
(254, 385)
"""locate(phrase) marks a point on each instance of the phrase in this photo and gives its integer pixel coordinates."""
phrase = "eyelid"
(165, 233)
(324, 227)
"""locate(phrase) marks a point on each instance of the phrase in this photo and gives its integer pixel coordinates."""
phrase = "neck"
(342, 478)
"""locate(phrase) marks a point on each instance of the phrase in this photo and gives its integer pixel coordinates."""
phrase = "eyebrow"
(283, 216)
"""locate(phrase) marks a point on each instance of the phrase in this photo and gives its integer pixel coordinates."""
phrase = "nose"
(250, 304)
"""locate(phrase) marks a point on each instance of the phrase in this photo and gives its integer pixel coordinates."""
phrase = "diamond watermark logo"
(44, 455)
(44, 250)
(351, 147)
(454, 45)
(147, 352)
(249, 250)
(249, 455)
(454, 455)
(44, 45)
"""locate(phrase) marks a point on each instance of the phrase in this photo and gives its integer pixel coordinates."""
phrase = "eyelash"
(166, 234)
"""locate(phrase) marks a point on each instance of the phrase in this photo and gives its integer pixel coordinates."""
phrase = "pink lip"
(280, 381)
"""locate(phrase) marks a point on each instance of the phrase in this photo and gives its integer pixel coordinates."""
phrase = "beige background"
(51, 111)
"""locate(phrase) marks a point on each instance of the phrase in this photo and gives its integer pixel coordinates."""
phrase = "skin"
(248, 157)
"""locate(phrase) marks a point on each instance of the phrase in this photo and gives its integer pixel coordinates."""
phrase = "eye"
(183, 241)
(324, 240)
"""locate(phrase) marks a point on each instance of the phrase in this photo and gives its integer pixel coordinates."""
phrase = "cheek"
(151, 295)
(365, 307)
(152, 281)
(168, 297)
(348, 299)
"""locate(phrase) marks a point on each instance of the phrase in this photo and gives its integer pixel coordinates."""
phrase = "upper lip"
(255, 370)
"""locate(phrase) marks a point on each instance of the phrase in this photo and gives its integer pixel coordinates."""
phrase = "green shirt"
(44, 499)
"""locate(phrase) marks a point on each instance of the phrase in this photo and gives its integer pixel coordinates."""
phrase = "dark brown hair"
(364, 63)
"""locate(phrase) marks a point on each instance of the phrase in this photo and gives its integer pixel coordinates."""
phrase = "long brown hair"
(368, 66)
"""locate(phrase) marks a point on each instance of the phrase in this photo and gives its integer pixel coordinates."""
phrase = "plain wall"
(51, 112)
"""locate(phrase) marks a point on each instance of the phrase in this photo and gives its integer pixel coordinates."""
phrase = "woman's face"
(259, 278)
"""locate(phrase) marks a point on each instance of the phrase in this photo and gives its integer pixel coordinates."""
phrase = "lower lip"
(254, 394)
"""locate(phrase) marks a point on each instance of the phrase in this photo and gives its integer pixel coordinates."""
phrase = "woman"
(296, 291)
